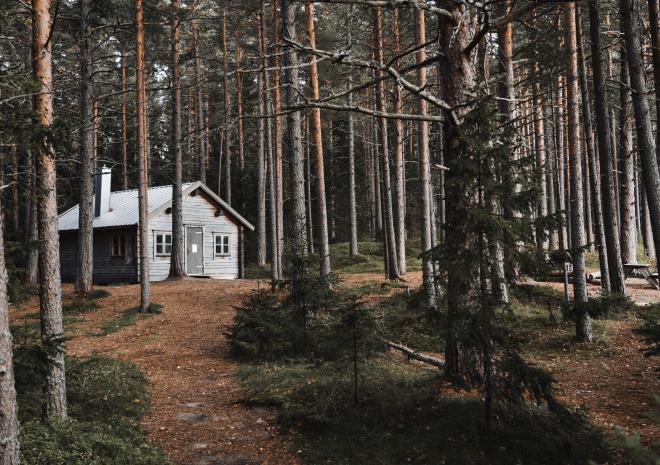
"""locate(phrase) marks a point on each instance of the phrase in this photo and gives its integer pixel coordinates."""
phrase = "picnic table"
(642, 270)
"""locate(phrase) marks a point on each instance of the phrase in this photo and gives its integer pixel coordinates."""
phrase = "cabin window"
(163, 244)
(118, 245)
(222, 245)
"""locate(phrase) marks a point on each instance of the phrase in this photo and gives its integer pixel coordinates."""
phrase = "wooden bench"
(642, 270)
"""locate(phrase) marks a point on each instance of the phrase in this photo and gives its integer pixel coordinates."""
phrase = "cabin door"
(194, 250)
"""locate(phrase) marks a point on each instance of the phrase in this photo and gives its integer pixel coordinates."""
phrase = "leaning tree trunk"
(596, 206)
(177, 266)
(392, 269)
(610, 224)
(141, 156)
(52, 330)
(627, 166)
(85, 254)
(317, 136)
(424, 170)
(630, 16)
(294, 135)
(584, 330)
(9, 448)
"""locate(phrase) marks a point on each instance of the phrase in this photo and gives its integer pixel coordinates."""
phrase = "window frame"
(123, 242)
(222, 245)
(164, 244)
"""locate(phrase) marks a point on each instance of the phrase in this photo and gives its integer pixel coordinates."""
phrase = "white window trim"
(161, 233)
(222, 255)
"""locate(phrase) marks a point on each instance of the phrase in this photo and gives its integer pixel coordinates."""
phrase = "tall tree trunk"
(261, 151)
(654, 19)
(596, 207)
(352, 204)
(227, 108)
(32, 266)
(392, 270)
(399, 162)
(294, 136)
(584, 330)
(424, 170)
(627, 165)
(9, 447)
(541, 156)
(50, 292)
(277, 140)
(241, 153)
(558, 123)
(332, 191)
(199, 97)
(317, 137)
(630, 15)
(122, 111)
(647, 231)
(610, 224)
(141, 155)
(177, 266)
(85, 251)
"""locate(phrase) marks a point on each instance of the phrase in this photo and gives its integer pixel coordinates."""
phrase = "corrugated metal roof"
(124, 207)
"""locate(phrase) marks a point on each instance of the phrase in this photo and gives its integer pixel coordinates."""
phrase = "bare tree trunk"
(261, 152)
(227, 108)
(177, 266)
(317, 136)
(294, 136)
(645, 142)
(32, 266)
(352, 204)
(654, 18)
(9, 447)
(122, 111)
(596, 207)
(647, 232)
(558, 122)
(50, 292)
(141, 155)
(85, 251)
(277, 141)
(399, 162)
(308, 190)
(241, 154)
(539, 144)
(424, 170)
(392, 270)
(199, 96)
(584, 330)
(610, 223)
(332, 191)
(627, 164)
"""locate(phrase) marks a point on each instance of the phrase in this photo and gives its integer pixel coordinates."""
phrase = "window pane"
(218, 240)
(168, 238)
(159, 248)
(168, 249)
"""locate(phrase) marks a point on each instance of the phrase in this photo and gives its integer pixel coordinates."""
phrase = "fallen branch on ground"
(416, 355)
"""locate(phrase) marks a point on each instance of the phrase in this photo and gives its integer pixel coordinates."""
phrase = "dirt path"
(195, 414)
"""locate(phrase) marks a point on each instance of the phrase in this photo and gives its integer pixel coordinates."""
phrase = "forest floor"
(197, 415)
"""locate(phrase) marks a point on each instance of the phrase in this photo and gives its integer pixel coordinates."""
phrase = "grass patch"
(370, 258)
(106, 400)
(400, 418)
(126, 318)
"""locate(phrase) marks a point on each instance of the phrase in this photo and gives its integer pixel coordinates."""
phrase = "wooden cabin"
(212, 230)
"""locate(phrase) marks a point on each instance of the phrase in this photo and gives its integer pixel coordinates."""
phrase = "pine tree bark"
(199, 97)
(317, 138)
(596, 206)
(85, 251)
(294, 136)
(654, 26)
(352, 203)
(177, 259)
(227, 109)
(399, 161)
(141, 155)
(424, 170)
(610, 224)
(630, 16)
(122, 112)
(9, 446)
(584, 329)
(50, 291)
(558, 121)
(392, 269)
(277, 140)
(627, 165)
(261, 151)
(32, 265)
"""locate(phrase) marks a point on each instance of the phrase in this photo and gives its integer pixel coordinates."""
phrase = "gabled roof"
(124, 207)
